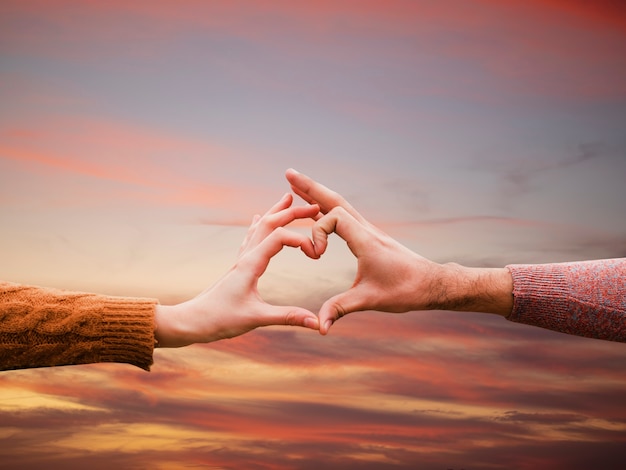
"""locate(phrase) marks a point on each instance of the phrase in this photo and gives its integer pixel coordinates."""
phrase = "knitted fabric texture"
(586, 298)
(42, 327)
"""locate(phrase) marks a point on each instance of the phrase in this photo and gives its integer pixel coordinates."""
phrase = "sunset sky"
(138, 138)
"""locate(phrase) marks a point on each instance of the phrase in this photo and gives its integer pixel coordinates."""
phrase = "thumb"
(291, 316)
(338, 306)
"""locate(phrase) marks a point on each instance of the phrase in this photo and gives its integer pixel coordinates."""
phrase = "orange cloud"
(370, 396)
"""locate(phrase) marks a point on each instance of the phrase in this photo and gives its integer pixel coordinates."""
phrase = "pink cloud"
(143, 161)
(541, 48)
(523, 386)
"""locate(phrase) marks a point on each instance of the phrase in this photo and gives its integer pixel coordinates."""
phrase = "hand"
(390, 277)
(388, 273)
(233, 306)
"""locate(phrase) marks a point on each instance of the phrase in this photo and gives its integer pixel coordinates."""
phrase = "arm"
(392, 278)
(41, 327)
(47, 327)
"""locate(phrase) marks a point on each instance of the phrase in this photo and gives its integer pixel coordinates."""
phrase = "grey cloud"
(517, 175)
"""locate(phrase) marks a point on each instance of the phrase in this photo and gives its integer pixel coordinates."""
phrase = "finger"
(314, 192)
(260, 256)
(261, 227)
(288, 315)
(343, 224)
(320, 231)
(249, 234)
(268, 223)
(303, 195)
(338, 306)
(286, 216)
(283, 203)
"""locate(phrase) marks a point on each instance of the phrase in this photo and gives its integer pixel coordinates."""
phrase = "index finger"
(316, 193)
(258, 258)
(343, 224)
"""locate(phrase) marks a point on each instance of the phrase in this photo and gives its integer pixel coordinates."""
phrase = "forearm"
(586, 298)
(459, 288)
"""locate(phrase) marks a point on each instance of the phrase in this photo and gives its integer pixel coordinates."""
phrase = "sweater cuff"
(127, 330)
(540, 296)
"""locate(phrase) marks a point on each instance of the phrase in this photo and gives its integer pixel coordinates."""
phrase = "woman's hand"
(233, 306)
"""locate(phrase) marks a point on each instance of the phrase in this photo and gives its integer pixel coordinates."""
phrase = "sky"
(138, 139)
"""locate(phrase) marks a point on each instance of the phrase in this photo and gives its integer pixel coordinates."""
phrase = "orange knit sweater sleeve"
(42, 327)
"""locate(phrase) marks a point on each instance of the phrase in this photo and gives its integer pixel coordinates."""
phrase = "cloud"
(333, 435)
(381, 391)
(602, 14)
(130, 162)
(518, 179)
(517, 175)
(426, 390)
(490, 40)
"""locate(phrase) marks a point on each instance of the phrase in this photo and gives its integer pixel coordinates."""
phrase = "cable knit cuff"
(41, 327)
(128, 331)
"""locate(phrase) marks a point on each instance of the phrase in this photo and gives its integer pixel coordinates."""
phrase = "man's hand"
(390, 277)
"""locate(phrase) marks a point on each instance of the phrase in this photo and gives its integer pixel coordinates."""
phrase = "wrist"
(170, 328)
(461, 288)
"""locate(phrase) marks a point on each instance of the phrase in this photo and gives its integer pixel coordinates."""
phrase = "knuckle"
(338, 211)
(340, 311)
(291, 318)
(280, 231)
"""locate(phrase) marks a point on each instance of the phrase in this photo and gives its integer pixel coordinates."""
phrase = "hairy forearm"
(460, 288)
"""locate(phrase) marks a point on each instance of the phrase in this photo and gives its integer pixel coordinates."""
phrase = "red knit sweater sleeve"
(586, 298)
(42, 327)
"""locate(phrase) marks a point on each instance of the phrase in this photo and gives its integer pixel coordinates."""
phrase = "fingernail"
(311, 323)
(327, 324)
(294, 170)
